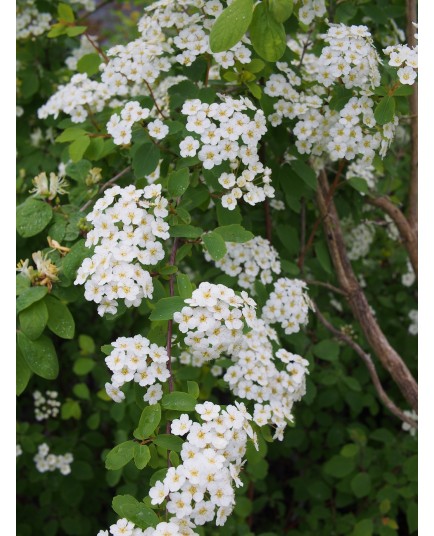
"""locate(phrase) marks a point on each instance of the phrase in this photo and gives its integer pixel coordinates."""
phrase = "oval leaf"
(34, 319)
(60, 320)
(120, 455)
(39, 355)
(385, 110)
(30, 296)
(178, 182)
(231, 25)
(32, 217)
(142, 455)
(179, 401)
(267, 35)
(169, 442)
(149, 420)
(215, 245)
(166, 307)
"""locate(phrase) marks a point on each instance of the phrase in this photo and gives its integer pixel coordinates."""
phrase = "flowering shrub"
(208, 193)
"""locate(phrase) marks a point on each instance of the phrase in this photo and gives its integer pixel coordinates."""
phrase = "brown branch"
(106, 185)
(411, 13)
(318, 220)
(325, 285)
(97, 48)
(359, 305)
(154, 99)
(408, 236)
(366, 358)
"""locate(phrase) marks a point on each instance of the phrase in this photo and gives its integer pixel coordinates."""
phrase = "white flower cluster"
(350, 57)
(30, 22)
(85, 47)
(407, 427)
(120, 126)
(135, 358)
(409, 277)
(226, 134)
(250, 260)
(358, 238)
(76, 98)
(214, 319)
(46, 406)
(406, 59)
(363, 169)
(288, 305)
(198, 360)
(128, 227)
(211, 462)
(413, 328)
(310, 9)
(254, 376)
(45, 461)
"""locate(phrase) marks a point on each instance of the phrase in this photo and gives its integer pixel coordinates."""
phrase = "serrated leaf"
(178, 182)
(34, 319)
(385, 110)
(234, 233)
(30, 296)
(60, 320)
(268, 36)
(169, 442)
(179, 401)
(215, 245)
(32, 217)
(149, 420)
(120, 455)
(39, 355)
(231, 25)
(166, 307)
(142, 456)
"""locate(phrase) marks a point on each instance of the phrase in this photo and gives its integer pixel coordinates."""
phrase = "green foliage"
(267, 34)
(32, 217)
(231, 25)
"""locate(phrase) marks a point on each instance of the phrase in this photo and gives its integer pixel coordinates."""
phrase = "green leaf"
(385, 110)
(166, 307)
(268, 36)
(323, 257)
(184, 285)
(30, 296)
(74, 258)
(70, 134)
(60, 320)
(178, 182)
(86, 344)
(39, 355)
(215, 245)
(231, 25)
(327, 350)
(120, 455)
(338, 466)
(106, 349)
(403, 91)
(255, 89)
(78, 148)
(228, 217)
(23, 373)
(179, 401)
(34, 319)
(81, 390)
(359, 184)
(149, 420)
(89, 64)
(340, 96)
(73, 31)
(193, 389)
(135, 511)
(56, 30)
(361, 485)
(363, 528)
(350, 450)
(234, 233)
(411, 515)
(169, 442)
(281, 9)
(70, 410)
(22, 283)
(32, 217)
(306, 173)
(185, 231)
(64, 12)
(83, 366)
(145, 160)
(142, 455)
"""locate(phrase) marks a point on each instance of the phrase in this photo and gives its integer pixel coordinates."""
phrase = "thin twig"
(318, 220)
(106, 185)
(366, 358)
(96, 47)
(325, 285)
(154, 99)
(408, 236)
